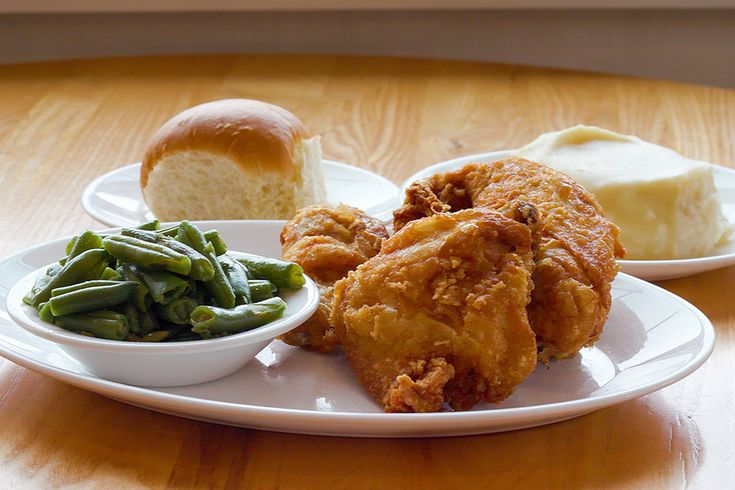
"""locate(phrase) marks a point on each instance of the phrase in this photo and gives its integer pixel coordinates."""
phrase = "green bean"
(111, 274)
(219, 245)
(285, 275)
(82, 285)
(85, 266)
(41, 282)
(70, 245)
(219, 287)
(133, 316)
(148, 322)
(201, 268)
(156, 336)
(145, 235)
(237, 275)
(194, 288)
(261, 289)
(184, 337)
(146, 254)
(210, 321)
(170, 230)
(91, 298)
(44, 313)
(142, 297)
(164, 332)
(199, 295)
(150, 225)
(163, 286)
(191, 235)
(102, 324)
(179, 310)
(86, 240)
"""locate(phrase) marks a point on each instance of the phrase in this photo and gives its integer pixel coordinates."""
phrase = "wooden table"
(62, 124)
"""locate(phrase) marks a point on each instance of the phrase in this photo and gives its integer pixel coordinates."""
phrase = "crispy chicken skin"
(328, 242)
(574, 245)
(438, 318)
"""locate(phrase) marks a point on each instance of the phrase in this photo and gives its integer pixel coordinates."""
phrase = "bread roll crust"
(260, 137)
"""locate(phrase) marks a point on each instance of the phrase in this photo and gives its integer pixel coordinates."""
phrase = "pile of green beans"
(153, 284)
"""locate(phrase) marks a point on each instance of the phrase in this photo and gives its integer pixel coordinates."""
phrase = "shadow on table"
(60, 435)
(627, 446)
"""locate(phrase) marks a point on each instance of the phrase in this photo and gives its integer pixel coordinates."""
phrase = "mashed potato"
(666, 205)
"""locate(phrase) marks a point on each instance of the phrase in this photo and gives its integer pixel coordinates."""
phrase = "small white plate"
(651, 270)
(652, 339)
(115, 198)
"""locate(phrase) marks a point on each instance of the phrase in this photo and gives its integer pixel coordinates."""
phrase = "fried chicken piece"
(575, 246)
(327, 242)
(438, 317)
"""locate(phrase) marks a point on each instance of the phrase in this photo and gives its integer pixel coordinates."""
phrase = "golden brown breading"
(575, 246)
(439, 315)
(328, 242)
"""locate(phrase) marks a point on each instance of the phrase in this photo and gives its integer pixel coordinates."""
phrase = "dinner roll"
(232, 159)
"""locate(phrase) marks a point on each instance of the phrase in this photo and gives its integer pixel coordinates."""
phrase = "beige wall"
(58, 6)
(689, 45)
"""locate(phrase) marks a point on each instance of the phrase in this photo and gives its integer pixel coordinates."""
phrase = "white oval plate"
(652, 339)
(115, 198)
(650, 270)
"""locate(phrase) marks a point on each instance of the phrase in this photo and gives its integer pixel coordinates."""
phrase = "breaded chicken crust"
(327, 241)
(574, 245)
(438, 318)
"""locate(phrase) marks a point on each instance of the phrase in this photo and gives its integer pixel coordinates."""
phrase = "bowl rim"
(27, 317)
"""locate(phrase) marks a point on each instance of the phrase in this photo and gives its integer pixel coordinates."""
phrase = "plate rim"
(390, 425)
(631, 264)
(570, 406)
(384, 207)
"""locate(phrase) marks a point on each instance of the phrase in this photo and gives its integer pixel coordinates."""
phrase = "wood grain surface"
(62, 124)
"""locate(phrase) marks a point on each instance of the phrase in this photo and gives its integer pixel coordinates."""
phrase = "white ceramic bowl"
(162, 364)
